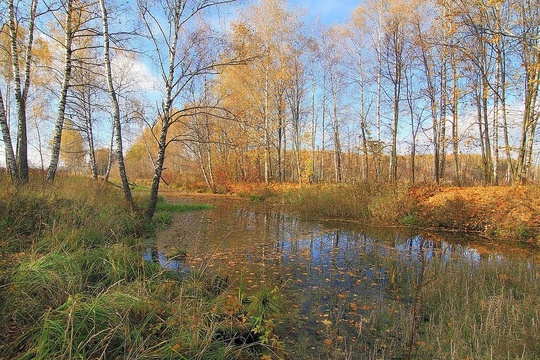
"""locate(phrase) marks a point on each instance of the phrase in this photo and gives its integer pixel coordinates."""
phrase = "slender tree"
(115, 106)
(529, 48)
(69, 29)
(183, 52)
(22, 83)
(394, 44)
(8, 146)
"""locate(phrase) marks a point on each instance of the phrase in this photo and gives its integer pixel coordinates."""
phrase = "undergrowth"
(361, 201)
(73, 283)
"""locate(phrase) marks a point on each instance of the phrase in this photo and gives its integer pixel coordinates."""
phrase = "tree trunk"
(323, 132)
(488, 164)
(442, 124)
(116, 109)
(158, 169)
(11, 163)
(455, 117)
(481, 132)
(111, 155)
(209, 156)
(266, 131)
(510, 164)
(55, 157)
(21, 90)
(337, 140)
(313, 135)
(378, 155)
(90, 140)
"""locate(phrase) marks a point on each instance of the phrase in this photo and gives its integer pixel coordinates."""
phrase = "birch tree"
(393, 55)
(332, 59)
(529, 49)
(115, 106)
(182, 49)
(8, 146)
(69, 28)
(22, 81)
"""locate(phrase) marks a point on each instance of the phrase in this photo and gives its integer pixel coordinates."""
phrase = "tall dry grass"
(74, 285)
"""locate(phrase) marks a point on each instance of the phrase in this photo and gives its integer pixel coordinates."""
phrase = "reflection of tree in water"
(334, 273)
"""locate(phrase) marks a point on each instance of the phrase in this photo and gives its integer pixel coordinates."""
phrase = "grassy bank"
(507, 213)
(73, 284)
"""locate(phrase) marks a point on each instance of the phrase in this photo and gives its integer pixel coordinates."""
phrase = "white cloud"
(132, 74)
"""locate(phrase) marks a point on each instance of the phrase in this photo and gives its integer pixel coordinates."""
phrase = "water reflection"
(333, 273)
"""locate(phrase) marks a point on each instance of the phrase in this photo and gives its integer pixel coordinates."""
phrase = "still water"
(333, 273)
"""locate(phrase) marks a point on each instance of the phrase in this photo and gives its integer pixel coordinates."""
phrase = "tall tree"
(115, 106)
(393, 55)
(332, 59)
(429, 36)
(22, 82)
(69, 28)
(529, 49)
(8, 146)
(182, 47)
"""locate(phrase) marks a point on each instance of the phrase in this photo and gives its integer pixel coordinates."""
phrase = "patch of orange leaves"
(490, 208)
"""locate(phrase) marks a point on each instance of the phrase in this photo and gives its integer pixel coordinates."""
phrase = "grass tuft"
(73, 282)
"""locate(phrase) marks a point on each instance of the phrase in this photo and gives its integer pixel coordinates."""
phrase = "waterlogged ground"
(350, 291)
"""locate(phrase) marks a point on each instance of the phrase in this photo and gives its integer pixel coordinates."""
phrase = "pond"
(352, 292)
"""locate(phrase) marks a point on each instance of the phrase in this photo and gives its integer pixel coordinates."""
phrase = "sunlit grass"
(362, 201)
(73, 282)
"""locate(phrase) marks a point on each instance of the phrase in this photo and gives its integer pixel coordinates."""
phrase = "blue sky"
(325, 12)
(329, 12)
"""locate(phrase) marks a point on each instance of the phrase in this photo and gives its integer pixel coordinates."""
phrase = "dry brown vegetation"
(496, 212)
(502, 211)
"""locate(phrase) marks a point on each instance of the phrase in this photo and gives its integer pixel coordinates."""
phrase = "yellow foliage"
(73, 151)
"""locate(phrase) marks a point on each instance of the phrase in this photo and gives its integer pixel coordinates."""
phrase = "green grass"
(489, 311)
(174, 208)
(164, 212)
(73, 282)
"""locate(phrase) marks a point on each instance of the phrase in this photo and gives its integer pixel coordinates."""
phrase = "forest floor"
(495, 211)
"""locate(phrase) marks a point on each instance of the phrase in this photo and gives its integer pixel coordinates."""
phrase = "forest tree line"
(403, 91)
